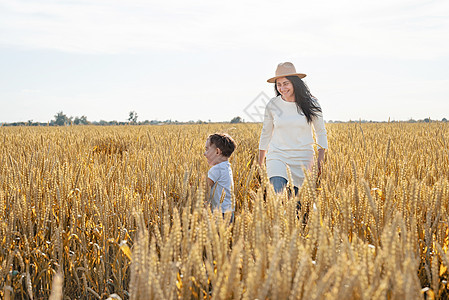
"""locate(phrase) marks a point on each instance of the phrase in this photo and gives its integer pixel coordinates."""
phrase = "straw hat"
(285, 69)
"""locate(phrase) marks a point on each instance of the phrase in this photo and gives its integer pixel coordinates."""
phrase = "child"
(219, 148)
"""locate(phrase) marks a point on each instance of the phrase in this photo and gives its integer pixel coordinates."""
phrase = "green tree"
(236, 120)
(81, 121)
(61, 119)
(132, 117)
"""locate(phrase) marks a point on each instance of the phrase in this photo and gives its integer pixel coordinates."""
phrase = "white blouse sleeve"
(267, 130)
(320, 131)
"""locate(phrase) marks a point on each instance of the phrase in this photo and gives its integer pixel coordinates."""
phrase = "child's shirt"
(221, 175)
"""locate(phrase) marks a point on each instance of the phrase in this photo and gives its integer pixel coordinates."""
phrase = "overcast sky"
(209, 60)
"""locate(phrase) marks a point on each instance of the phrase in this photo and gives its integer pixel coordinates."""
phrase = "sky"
(209, 60)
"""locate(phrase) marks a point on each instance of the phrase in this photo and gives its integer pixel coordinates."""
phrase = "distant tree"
(444, 120)
(61, 119)
(81, 121)
(236, 120)
(132, 117)
(427, 120)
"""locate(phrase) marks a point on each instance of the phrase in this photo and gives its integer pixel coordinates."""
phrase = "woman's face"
(285, 88)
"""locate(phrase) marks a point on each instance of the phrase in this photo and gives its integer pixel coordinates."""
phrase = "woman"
(287, 129)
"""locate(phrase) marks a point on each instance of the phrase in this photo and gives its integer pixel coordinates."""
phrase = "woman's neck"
(290, 99)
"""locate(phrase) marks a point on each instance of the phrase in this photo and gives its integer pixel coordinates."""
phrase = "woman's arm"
(266, 134)
(262, 154)
(320, 159)
(321, 139)
(320, 131)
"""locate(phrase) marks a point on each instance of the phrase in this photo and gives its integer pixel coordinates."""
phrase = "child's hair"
(223, 142)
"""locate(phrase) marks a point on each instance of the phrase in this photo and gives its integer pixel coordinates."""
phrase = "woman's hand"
(320, 159)
(262, 154)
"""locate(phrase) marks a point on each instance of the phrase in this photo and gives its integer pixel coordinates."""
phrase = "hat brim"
(273, 80)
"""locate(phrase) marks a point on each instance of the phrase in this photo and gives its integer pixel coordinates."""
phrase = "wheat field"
(91, 212)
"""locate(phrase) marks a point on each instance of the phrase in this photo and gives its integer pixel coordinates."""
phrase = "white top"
(221, 175)
(289, 138)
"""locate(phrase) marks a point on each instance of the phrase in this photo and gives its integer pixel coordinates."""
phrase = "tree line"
(61, 119)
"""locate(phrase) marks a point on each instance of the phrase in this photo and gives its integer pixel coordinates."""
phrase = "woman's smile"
(285, 88)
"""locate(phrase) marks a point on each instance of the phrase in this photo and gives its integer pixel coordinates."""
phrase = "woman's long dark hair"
(305, 102)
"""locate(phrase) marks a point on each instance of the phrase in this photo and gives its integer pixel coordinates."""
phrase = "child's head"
(218, 147)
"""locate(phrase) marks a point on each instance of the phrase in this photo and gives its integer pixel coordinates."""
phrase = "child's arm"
(212, 177)
(209, 185)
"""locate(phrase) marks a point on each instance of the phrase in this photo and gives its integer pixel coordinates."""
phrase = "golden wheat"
(98, 212)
